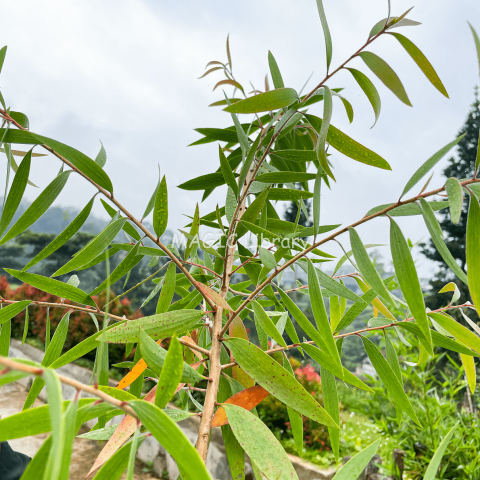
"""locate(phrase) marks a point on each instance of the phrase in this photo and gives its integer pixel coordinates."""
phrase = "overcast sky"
(125, 72)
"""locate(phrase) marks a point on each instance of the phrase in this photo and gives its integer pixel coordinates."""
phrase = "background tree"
(455, 234)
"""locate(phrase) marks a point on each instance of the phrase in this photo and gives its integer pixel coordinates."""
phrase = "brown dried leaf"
(229, 82)
(214, 296)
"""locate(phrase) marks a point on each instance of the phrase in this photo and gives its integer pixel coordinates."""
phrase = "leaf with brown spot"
(214, 296)
(248, 399)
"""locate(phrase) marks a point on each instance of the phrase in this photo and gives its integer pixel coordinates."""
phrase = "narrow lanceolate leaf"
(421, 60)
(468, 363)
(70, 433)
(432, 470)
(55, 287)
(408, 209)
(336, 287)
(171, 374)
(125, 266)
(285, 177)
(95, 247)
(8, 312)
(355, 466)
(274, 378)
(477, 42)
(265, 102)
(322, 134)
(132, 454)
(429, 164)
(38, 207)
(160, 211)
(16, 192)
(388, 377)
(267, 258)
(348, 146)
(408, 279)
(128, 228)
(275, 71)
(366, 267)
(57, 421)
(172, 439)
(386, 74)
(303, 322)
(213, 295)
(461, 333)
(320, 314)
(260, 444)
(151, 202)
(204, 182)
(155, 357)
(168, 290)
(247, 399)
(455, 198)
(330, 401)
(473, 250)
(193, 237)
(101, 157)
(162, 325)
(437, 238)
(267, 324)
(370, 91)
(326, 32)
(296, 420)
(227, 171)
(235, 454)
(64, 236)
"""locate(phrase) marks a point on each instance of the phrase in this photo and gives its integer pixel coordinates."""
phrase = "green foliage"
(203, 302)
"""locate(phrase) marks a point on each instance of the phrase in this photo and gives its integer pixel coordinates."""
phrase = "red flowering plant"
(81, 325)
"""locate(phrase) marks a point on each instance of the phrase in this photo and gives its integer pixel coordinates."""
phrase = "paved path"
(12, 397)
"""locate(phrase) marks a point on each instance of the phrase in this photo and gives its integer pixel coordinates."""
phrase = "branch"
(327, 239)
(38, 371)
(349, 334)
(100, 313)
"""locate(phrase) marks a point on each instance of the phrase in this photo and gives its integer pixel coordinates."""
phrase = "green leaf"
(386, 74)
(172, 439)
(160, 212)
(301, 319)
(267, 324)
(70, 433)
(159, 326)
(251, 213)
(267, 258)
(3, 52)
(227, 171)
(421, 60)
(63, 237)
(151, 202)
(57, 421)
(242, 136)
(101, 157)
(429, 164)
(171, 374)
(38, 207)
(275, 71)
(355, 466)
(205, 182)
(168, 290)
(95, 247)
(438, 339)
(431, 473)
(8, 312)
(235, 453)
(477, 42)
(265, 102)
(5, 334)
(322, 137)
(125, 266)
(273, 377)
(248, 161)
(36, 467)
(228, 135)
(437, 238)
(259, 443)
(349, 147)
(155, 357)
(21, 119)
(366, 266)
(455, 198)
(473, 251)
(191, 247)
(408, 209)
(461, 333)
(132, 454)
(285, 177)
(408, 280)
(326, 32)
(54, 287)
(370, 91)
(296, 421)
(16, 192)
(288, 194)
(388, 377)
(330, 401)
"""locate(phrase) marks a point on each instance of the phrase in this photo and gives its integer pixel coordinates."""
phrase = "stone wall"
(151, 450)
